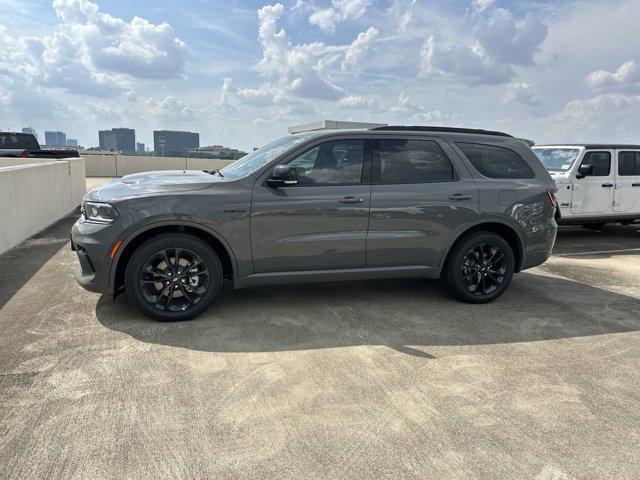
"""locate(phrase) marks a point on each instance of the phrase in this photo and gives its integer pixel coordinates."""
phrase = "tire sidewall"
(154, 245)
(454, 279)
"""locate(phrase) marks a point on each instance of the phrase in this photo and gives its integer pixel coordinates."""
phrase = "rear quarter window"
(496, 162)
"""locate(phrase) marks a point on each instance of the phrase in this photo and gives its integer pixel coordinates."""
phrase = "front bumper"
(93, 243)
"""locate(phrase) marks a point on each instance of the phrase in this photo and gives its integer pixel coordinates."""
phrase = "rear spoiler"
(531, 143)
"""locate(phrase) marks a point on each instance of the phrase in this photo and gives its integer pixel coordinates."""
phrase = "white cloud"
(592, 119)
(507, 40)
(481, 5)
(627, 73)
(468, 63)
(137, 48)
(521, 92)
(355, 102)
(359, 48)
(500, 43)
(170, 108)
(341, 10)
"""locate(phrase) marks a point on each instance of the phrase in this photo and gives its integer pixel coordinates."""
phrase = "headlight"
(99, 212)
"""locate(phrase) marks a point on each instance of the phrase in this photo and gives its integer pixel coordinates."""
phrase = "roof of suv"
(419, 128)
(596, 146)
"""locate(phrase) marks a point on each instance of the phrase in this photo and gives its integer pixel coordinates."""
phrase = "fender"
(167, 223)
(483, 221)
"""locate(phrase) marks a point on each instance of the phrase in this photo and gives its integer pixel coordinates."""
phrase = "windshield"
(260, 157)
(557, 159)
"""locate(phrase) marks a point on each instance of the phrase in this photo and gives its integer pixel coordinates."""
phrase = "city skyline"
(245, 71)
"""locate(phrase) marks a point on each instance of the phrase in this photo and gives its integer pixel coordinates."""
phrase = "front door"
(594, 193)
(627, 194)
(418, 201)
(320, 223)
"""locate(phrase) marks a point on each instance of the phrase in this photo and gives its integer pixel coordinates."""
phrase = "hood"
(140, 184)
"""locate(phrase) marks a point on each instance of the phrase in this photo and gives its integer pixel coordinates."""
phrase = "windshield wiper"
(214, 172)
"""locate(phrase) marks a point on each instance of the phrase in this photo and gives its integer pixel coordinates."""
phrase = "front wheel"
(480, 268)
(173, 277)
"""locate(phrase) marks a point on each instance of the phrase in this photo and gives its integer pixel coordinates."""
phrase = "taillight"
(552, 196)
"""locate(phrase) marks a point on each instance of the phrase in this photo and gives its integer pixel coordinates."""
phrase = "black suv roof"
(419, 128)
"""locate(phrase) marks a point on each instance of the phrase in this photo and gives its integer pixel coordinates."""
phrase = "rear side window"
(601, 162)
(412, 161)
(496, 162)
(629, 163)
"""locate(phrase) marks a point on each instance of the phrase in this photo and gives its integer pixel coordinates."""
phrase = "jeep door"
(321, 222)
(594, 193)
(421, 196)
(627, 192)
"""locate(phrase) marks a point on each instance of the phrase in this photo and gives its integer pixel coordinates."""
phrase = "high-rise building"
(55, 139)
(170, 143)
(72, 142)
(121, 140)
(140, 147)
(30, 130)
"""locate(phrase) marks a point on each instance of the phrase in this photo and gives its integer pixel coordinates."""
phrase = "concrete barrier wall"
(120, 165)
(34, 196)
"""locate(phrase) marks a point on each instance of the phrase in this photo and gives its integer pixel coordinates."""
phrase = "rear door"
(421, 193)
(627, 192)
(320, 223)
(593, 194)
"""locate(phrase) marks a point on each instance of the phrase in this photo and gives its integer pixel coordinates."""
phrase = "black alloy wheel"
(173, 277)
(479, 267)
(484, 269)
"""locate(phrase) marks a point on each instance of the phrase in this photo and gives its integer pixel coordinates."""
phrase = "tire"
(594, 226)
(157, 277)
(469, 265)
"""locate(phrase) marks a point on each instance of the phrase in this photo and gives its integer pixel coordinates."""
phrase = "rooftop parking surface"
(378, 379)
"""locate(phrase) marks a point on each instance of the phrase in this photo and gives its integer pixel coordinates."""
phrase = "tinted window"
(496, 162)
(412, 161)
(629, 163)
(18, 141)
(601, 162)
(331, 163)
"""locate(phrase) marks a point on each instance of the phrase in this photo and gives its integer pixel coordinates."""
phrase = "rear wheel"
(480, 268)
(173, 277)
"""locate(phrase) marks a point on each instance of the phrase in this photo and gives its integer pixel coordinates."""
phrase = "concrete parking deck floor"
(387, 379)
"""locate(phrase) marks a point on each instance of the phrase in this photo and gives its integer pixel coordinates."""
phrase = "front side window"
(337, 162)
(629, 163)
(413, 161)
(601, 162)
(496, 162)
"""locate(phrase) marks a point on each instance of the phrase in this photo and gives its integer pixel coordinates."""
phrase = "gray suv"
(468, 206)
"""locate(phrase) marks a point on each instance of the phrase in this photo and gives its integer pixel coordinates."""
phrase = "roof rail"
(419, 128)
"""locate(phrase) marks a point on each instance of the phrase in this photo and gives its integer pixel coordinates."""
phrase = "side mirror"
(584, 171)
(283, 176)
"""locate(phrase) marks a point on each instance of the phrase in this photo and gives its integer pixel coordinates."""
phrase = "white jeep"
(597, 183)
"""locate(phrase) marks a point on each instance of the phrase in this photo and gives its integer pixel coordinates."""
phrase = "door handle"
(635, 184)
(459, 196)
(607, 185)
(351, 200)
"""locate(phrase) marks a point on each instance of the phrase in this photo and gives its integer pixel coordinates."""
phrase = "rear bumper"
(541, 248)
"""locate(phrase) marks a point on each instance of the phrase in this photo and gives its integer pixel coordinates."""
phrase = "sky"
(241, 72)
